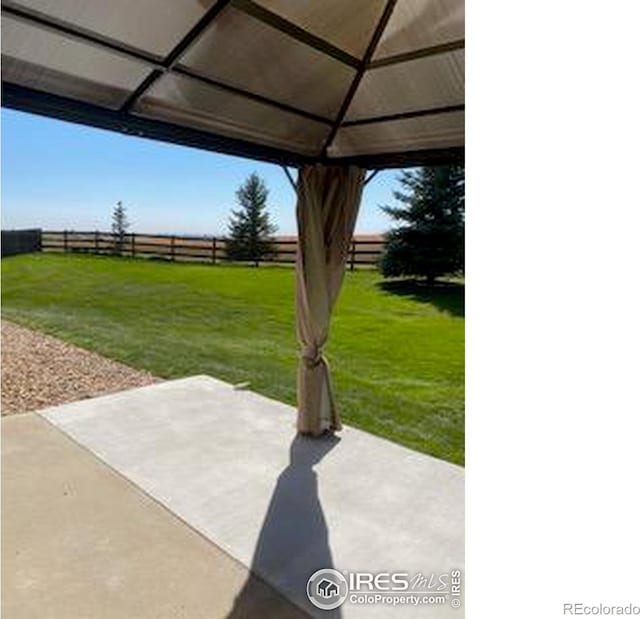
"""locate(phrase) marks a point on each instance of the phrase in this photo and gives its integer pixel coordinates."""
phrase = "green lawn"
(397, 352)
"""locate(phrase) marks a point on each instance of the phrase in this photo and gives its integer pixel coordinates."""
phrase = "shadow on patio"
(294, 533)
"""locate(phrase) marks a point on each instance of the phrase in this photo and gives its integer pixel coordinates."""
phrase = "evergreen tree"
(250, 231)
(119, 226)
(430, 241)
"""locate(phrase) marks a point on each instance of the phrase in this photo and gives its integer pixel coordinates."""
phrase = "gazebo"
(332, 88)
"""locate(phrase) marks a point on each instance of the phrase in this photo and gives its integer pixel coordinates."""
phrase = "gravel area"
(39, 371)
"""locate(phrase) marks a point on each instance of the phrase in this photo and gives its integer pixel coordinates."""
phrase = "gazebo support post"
(327, 207)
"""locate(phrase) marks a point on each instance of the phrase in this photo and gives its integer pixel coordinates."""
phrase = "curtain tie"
(312, 356)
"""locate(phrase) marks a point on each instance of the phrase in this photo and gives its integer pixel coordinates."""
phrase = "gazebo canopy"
(377, 83)
(330, 86)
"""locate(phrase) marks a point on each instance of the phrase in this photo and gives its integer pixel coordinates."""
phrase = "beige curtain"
(328, 202)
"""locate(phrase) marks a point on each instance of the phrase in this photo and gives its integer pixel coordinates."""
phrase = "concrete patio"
(163, 500)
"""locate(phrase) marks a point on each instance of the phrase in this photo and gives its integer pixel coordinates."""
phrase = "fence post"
(65, 241)
(213, 250)
(96, 243)
(133, 244)
(353, 254)
(173, 248)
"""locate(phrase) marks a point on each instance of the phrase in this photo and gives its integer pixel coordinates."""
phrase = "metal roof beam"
(404, 159)
(62, 108)
(424, 52)
(289, 28)
(371, 48)
(53, 106)
(449, 109)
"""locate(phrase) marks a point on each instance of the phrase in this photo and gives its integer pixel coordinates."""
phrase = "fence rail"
(362, 252)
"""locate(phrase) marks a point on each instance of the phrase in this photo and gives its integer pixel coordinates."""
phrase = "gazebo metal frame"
(27, 99)
(330, 177)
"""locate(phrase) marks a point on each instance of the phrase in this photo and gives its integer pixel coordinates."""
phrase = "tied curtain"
(328, 202)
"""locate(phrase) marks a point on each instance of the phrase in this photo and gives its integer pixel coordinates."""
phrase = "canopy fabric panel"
(154, 26)
(437, 132)
(274, 65)
(392, 89)
(420, 24)
(48, 61)
(372, 82)
(178, 99)
(347, 25)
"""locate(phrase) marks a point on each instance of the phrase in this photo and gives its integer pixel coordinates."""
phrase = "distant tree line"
(427, 243)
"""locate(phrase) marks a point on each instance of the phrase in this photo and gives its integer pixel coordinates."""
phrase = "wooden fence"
(20, 241)
(362, 252)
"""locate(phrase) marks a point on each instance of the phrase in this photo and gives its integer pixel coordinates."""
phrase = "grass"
(396, 349)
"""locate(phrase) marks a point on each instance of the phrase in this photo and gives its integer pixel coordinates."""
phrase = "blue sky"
(58, 175)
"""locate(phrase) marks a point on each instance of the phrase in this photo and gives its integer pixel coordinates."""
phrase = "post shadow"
(294, 539)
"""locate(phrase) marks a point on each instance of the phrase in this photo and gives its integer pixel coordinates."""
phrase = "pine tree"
(430, 241)
(250, 231)
(119, 226)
